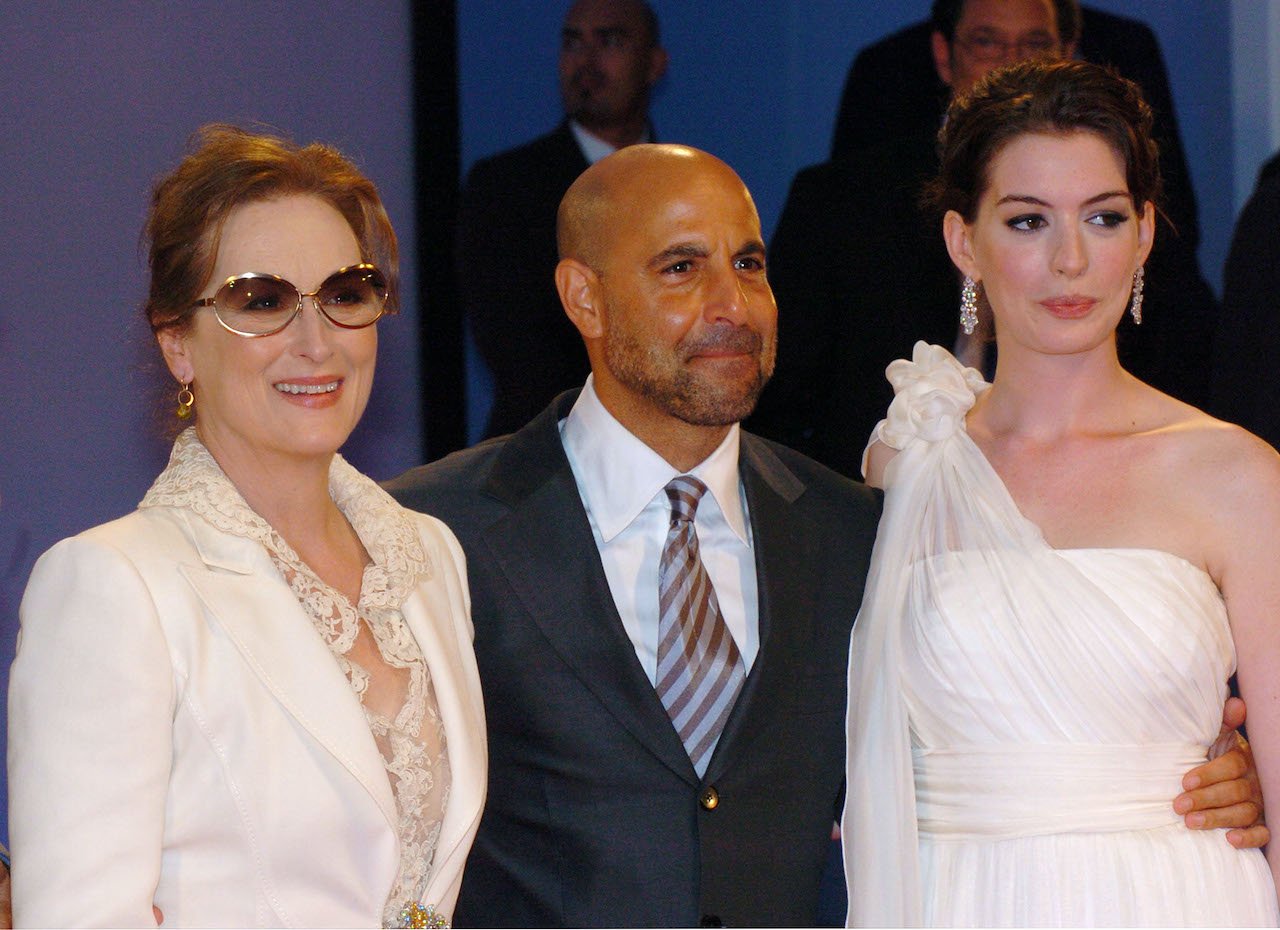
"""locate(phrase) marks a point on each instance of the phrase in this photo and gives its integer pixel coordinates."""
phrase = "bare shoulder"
(1232, 476)
(1224, 459)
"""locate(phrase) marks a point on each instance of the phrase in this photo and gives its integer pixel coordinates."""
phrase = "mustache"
(738, 339)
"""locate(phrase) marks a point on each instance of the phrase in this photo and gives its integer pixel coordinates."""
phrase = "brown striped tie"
(699, 669)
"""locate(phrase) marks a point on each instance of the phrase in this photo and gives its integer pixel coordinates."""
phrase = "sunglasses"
(257, 304)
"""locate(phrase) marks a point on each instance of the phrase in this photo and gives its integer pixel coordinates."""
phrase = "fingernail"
(1195, 820)
(1191, 782)
(1182, 805)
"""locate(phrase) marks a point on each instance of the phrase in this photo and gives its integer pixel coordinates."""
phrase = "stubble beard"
(663, 377)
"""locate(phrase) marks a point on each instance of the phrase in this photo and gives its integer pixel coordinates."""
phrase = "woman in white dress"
(1070, 564)
(253, 701)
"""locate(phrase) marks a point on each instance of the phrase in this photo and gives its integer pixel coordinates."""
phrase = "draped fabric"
(1021, 717)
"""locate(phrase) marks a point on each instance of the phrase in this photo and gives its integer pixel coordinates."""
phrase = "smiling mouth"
(285, 387)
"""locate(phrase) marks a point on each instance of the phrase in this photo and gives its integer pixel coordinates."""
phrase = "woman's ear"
(177, 354)
(1146, 232)
(955, 232)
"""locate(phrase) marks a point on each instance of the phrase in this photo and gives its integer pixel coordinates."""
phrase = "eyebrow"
(1027, 198)
(602, 32)
(692, 250)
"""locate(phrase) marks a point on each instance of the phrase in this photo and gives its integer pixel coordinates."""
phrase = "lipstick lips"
(1070, 307)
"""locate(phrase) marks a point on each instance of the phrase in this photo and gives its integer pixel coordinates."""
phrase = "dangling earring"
(186, 400)
(1135, 308)
(969, 306)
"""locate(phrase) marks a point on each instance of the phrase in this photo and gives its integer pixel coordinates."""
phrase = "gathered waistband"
(1005, 791)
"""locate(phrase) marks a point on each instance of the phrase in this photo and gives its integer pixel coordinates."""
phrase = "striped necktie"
(699, 669)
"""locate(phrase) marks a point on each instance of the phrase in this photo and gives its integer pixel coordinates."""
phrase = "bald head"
(613, 194)
(662, 271)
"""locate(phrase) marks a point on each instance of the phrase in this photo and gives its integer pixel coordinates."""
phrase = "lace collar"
(194, 481)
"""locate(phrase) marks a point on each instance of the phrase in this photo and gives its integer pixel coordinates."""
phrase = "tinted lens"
(353, 297)
(256, 304)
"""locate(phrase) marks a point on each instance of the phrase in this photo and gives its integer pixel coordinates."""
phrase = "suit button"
(710, 800)
(710, 920)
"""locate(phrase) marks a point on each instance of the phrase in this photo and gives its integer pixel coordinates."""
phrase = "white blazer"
(179, 734)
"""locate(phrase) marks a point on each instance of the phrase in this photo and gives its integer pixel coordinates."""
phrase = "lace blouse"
(411, 741)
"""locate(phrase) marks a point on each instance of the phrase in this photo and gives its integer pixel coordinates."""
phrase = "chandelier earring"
(186, 401)
(1135, 308)
(969, 305)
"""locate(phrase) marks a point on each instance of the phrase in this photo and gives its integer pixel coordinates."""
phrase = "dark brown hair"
(227, 167)
(1054, 97)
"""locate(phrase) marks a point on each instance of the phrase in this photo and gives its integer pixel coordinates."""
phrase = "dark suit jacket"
(506, 259)
(893, 90)
(595, 816)
(1246, 384)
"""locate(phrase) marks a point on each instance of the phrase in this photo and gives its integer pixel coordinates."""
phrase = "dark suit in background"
(506, 256)
(1246, 382)
(893, 90)
(595, 815)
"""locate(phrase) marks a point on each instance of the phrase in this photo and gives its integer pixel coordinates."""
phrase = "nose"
(727, 300)
(1070, 256)
(312, 331)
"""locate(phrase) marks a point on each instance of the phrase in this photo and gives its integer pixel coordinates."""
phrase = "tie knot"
(684, 493)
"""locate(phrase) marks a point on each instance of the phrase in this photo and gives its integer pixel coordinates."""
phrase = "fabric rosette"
(932, 394)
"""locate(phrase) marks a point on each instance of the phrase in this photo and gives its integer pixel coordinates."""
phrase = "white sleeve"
(91, 704)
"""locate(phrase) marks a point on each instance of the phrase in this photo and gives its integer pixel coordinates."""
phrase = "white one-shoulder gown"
(1020, 716)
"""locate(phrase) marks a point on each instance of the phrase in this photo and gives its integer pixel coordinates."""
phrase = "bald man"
(598, 813)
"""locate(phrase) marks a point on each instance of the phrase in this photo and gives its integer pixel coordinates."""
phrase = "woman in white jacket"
(253, 701)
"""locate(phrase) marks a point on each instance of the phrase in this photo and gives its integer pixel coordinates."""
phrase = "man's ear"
(658, 59)
(941, 49)
(177, 354)
(955, 232)
(579, 289)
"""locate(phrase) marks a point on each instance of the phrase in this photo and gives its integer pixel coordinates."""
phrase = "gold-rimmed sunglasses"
(257, 304)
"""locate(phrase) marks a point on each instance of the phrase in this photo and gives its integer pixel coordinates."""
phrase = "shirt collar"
(593, 147)
(619, 475)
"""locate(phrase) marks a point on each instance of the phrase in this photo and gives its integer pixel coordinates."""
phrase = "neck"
(682, 445)
(619, 135)
(290, 492)
(1046, 396)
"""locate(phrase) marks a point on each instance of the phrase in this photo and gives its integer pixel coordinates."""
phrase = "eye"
(984, 45)
(1027, 222)
(681, 267)
(343, 297)
(1108, 218)
(749, 263)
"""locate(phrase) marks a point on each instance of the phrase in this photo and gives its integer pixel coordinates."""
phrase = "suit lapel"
(245, 596)
(546, 550)
(786, 577)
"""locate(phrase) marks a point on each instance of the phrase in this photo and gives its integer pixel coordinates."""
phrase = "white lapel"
(437, 622)
(245, 595)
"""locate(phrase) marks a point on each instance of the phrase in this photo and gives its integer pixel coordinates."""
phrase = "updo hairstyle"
(1049, 97)
(227, 167)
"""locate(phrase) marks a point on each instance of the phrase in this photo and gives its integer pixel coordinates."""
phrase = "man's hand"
(1224, 792)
